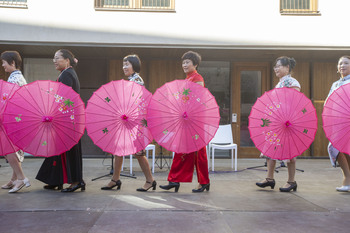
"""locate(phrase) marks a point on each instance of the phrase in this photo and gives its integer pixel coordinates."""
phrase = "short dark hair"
(66, 54)
(193, 56)
(287, 61)
(345, 56)
(134, 61)
(12, 56)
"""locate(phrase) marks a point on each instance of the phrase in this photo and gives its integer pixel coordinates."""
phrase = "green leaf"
(68, 103)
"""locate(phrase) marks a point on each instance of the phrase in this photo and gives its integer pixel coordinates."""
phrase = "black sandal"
(154, 185)
(292, 186)
(267, 182)
(117, 183)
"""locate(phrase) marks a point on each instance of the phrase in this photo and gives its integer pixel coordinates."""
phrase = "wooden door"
(249, 81)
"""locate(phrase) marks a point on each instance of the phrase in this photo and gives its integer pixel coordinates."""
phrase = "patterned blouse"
(288, 81)
(338, 84)
(135, 77)
(16, 77)
(332, 151)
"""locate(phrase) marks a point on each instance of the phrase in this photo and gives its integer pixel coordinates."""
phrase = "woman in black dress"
(67, 167)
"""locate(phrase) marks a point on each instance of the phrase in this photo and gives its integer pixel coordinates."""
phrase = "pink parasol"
(282, 123)
(6, 91)
(183, 116)
(45, 118)
(336, 121)
(116, 117)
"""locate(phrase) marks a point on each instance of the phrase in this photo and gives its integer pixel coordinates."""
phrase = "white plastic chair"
(148, 148)
(222, 140)
(153, 148)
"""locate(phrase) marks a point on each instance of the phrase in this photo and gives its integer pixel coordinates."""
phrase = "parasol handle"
(46, 118)
(287, 124)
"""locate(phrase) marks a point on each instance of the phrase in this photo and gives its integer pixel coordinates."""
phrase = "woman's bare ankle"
(346, 181)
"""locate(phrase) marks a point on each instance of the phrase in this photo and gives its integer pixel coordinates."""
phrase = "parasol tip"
(46, 118)
(287, 124)
(184, 115)
(124, 117)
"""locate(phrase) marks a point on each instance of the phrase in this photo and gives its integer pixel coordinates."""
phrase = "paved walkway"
(234, 203)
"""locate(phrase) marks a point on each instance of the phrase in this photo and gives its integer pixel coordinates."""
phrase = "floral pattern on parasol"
(282, 123)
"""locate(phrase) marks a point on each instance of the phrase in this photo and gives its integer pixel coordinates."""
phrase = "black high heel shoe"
(269, 182)
(49, 186)
(171, 185)
(292, 186)
(116, 183)
(80, 185)
(154, 185)
(202, 188)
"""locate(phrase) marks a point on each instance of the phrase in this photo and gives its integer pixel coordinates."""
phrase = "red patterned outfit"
(183, 164)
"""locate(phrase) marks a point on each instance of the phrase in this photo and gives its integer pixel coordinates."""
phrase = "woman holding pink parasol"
(131, 68)
(283, 68)
(67, 167)
(334, 154)
(11, 61)
(183, 164)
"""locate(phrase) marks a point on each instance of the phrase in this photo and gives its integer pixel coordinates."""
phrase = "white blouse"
(16, 77)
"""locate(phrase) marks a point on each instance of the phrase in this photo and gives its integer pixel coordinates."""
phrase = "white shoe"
(19, 184)
(9, 185)
(344, 188)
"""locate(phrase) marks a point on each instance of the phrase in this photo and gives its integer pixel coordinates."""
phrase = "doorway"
(249, 81)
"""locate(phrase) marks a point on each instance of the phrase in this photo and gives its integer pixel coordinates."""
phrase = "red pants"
(183, 167)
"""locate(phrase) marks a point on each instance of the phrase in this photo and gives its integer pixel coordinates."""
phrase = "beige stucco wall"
(231, 23)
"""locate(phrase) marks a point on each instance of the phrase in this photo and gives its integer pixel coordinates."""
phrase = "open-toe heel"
(153, 186)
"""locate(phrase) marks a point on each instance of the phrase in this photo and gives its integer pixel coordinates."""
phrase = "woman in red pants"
(183, 164)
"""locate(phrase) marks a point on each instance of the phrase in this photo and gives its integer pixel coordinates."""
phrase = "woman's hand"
(201, 83)
(296, 88)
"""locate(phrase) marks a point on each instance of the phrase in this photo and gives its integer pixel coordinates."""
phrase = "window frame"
(11, 4)
(134, 5)
(313, 9)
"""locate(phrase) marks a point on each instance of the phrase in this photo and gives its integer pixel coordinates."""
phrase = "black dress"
(51, 171)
